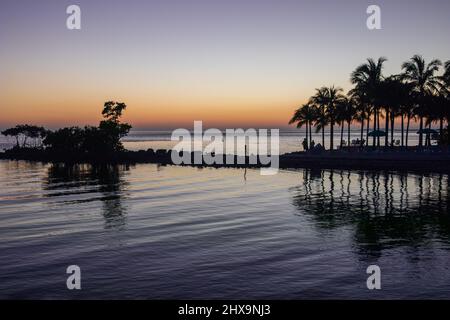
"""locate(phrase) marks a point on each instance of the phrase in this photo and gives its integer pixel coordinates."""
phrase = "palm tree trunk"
(374, 125)
(306, 138)
(392, 128)
(362, 133)
(386, 128)
(323, 136)
(322, 115)
(331, 135)
(378, 127)
(441, 129)
(367, 130)
(407, 128)
(348, 134)
(342, 134)
(421, 135)
(310, 133)
(403, 125)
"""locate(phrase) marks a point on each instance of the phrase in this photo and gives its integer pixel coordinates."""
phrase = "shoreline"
(434, 160)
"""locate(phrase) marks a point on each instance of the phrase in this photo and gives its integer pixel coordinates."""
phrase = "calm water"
(177, 232)
(290, 141)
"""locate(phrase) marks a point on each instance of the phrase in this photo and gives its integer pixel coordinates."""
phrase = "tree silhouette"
(320, 100)
(368, 78)
(333, 99)
(304, 116)
(422, 77)
(22, 133)
(417, 93)
(101, 140)
(112, 128)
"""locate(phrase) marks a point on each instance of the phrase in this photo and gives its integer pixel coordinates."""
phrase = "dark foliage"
(104, 139)
(26, 136)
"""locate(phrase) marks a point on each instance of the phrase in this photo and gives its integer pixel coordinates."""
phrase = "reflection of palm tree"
(380, 216)
(424, 81)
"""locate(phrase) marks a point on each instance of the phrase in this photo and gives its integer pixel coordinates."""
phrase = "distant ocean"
(290, 141)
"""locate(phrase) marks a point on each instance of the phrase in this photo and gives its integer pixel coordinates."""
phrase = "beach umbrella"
(427, 131)
(377, 133)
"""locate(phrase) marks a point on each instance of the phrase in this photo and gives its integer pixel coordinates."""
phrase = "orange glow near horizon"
(60, 109)
(56, 104)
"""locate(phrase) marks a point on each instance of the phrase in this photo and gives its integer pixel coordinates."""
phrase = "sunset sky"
(229, 63)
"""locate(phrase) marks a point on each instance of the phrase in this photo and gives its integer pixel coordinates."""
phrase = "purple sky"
(184, 57)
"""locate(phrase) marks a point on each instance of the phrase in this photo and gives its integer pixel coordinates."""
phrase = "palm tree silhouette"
(305, 116)
(327, 99)
(320, 101)
(394, 99)
(334, 98)
(367, 78)
(362, 111)
(444, 94)
(345, 113)
(417, 93)
(404, 105)
(424, 81)
(340, 118)
(438, 109)
(446, 75)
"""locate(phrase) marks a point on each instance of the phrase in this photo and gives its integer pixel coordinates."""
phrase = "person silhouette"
(305, 144)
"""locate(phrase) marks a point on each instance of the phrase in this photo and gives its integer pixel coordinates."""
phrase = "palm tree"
(340, 118)
(345, 113)
(446, 76)
(406, 110)
(350, 112)
(320, 101)
(393, 97)
(333, 98)
(367, 78)
(444, 94)
(305, 116)
(362, 111)
(385, 96)
(424, 81)
(438, 110)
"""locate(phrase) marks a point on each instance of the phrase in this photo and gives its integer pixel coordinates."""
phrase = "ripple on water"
(149, 231)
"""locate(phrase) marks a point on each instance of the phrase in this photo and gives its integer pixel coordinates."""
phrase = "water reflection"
(103, 183)
(382, 209)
